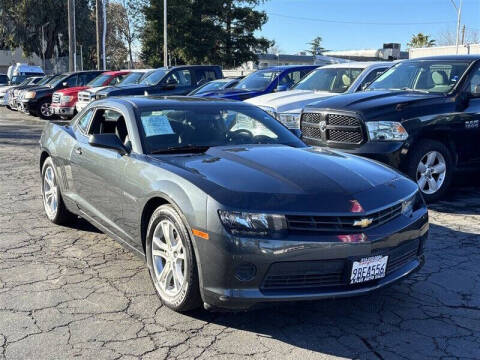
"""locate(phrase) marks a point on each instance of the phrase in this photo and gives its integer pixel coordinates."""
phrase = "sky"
(362, 24)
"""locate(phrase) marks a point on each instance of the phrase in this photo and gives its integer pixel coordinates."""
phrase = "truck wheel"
(45, 111)
(430, 164)
(171, 260)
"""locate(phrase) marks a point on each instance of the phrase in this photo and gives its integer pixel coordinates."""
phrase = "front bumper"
(305, 267)
(80, 105)
(30, 106)
(63, 110)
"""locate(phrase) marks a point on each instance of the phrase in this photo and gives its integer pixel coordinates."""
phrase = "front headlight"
(386, 131)
(412, 204)
(291, 121)
(30, 95)
(250, 224)
(64, 99)
(270, 111)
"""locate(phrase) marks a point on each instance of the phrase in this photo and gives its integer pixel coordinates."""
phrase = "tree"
(117, 24)
(421, 40)
(214, 31)
(316, 46)
(449, 37)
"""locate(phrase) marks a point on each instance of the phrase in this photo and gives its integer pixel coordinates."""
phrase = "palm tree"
(315, 46)
(421, 40)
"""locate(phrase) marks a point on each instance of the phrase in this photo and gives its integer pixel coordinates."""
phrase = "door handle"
(78, 150)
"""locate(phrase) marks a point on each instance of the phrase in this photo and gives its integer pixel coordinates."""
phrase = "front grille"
(341, 223)
(56, 98)
(331, 128)
(322, 274)
(84, 96)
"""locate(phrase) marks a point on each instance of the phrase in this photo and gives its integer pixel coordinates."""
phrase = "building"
(444, 50)
(389, 51)
(10, 57)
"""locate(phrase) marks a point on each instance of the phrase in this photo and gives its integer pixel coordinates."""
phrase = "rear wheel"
(431, 166)
(171, 260)
(51, 196)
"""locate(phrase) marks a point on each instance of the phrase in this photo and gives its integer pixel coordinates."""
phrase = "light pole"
(72, 42)
(165, 53)
(104, 34)
(459, 15)
(44, 46)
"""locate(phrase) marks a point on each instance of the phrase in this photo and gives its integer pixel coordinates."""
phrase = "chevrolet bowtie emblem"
(362, 223)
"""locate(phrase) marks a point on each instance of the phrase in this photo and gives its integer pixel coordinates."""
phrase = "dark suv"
(177, 80)
(37, 100)
(421, 116)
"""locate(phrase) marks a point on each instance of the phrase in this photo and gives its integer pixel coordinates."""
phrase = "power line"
(358, 22)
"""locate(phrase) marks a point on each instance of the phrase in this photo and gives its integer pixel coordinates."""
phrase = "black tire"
(188, 297)
(43, 115)
(61, 216)
(418, 153)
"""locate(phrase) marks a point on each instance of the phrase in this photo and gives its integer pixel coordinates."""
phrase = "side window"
(180, 78)
(82, 123)
(204, 75)
(85, 78)
(371, 76)
(291, 79)
(107, 121)
(474, 83)
(71, 81)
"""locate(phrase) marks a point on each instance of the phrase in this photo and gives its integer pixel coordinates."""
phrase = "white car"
(84, 97)
(329, 80)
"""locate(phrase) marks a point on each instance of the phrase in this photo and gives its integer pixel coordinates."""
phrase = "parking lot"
(73, 292)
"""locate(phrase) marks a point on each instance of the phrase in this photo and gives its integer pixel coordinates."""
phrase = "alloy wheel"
(45, 110)
(431, 172)
(50, 193)
(169, 259)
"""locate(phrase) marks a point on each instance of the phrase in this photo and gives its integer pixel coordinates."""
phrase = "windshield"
(44, 80)
(99, 80)
(211, 125)
(210, 86)
(132, 78)
(153, 78)
(335, 80)
(432, 76)
(259, 80)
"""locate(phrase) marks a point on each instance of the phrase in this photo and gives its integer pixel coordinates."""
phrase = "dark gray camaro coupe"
(227, 206)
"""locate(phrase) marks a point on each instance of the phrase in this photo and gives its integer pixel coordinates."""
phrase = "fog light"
(245, 272)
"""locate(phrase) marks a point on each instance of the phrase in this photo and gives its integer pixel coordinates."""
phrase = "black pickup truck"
(422, 116)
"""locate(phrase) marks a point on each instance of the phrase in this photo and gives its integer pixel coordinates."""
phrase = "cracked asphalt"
(74, 293)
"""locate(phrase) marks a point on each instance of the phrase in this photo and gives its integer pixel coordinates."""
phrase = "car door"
(98, 172)
(469, 142)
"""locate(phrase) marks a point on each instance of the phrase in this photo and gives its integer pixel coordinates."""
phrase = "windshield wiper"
(182, 149)
(415, 90)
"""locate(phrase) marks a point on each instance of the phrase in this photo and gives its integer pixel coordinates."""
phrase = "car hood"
(289, 101)
(96, 89)
(4, 89)
(387, 105)
(299, 179)
(133, 89)
(72, 90)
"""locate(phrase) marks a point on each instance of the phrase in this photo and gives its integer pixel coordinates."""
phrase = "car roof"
(85, 71)
(149, 101)
(287, 67)
(449, 57)
(358, 64)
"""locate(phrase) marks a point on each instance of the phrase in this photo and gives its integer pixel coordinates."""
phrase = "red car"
(63, 101)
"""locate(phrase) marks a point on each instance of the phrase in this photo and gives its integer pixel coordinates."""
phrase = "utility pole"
(104, 34)
(459, 16)
(165, 53)
(72, 53)
(463, 34)
(44, 46)
(98, 15)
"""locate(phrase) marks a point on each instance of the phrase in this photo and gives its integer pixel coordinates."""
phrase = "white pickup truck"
(321, 83)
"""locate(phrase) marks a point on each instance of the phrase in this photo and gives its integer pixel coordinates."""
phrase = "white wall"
(444, 50)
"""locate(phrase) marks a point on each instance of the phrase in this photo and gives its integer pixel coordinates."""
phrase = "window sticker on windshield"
(156, 124)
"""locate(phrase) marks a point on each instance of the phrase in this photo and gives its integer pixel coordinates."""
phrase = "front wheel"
(45, 111)
(171, 260)
(430, 164)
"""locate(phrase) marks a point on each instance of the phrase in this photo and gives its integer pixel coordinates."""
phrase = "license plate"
(369, 268)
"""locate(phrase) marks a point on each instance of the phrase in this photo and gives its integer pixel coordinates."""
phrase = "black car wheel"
(51, 196)
(171, 260)
(431, 166)
(45, 111)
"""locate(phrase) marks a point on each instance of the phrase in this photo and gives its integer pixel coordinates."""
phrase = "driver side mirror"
(108, 141)
(366, 85)
(281, 88)
(64, 84)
